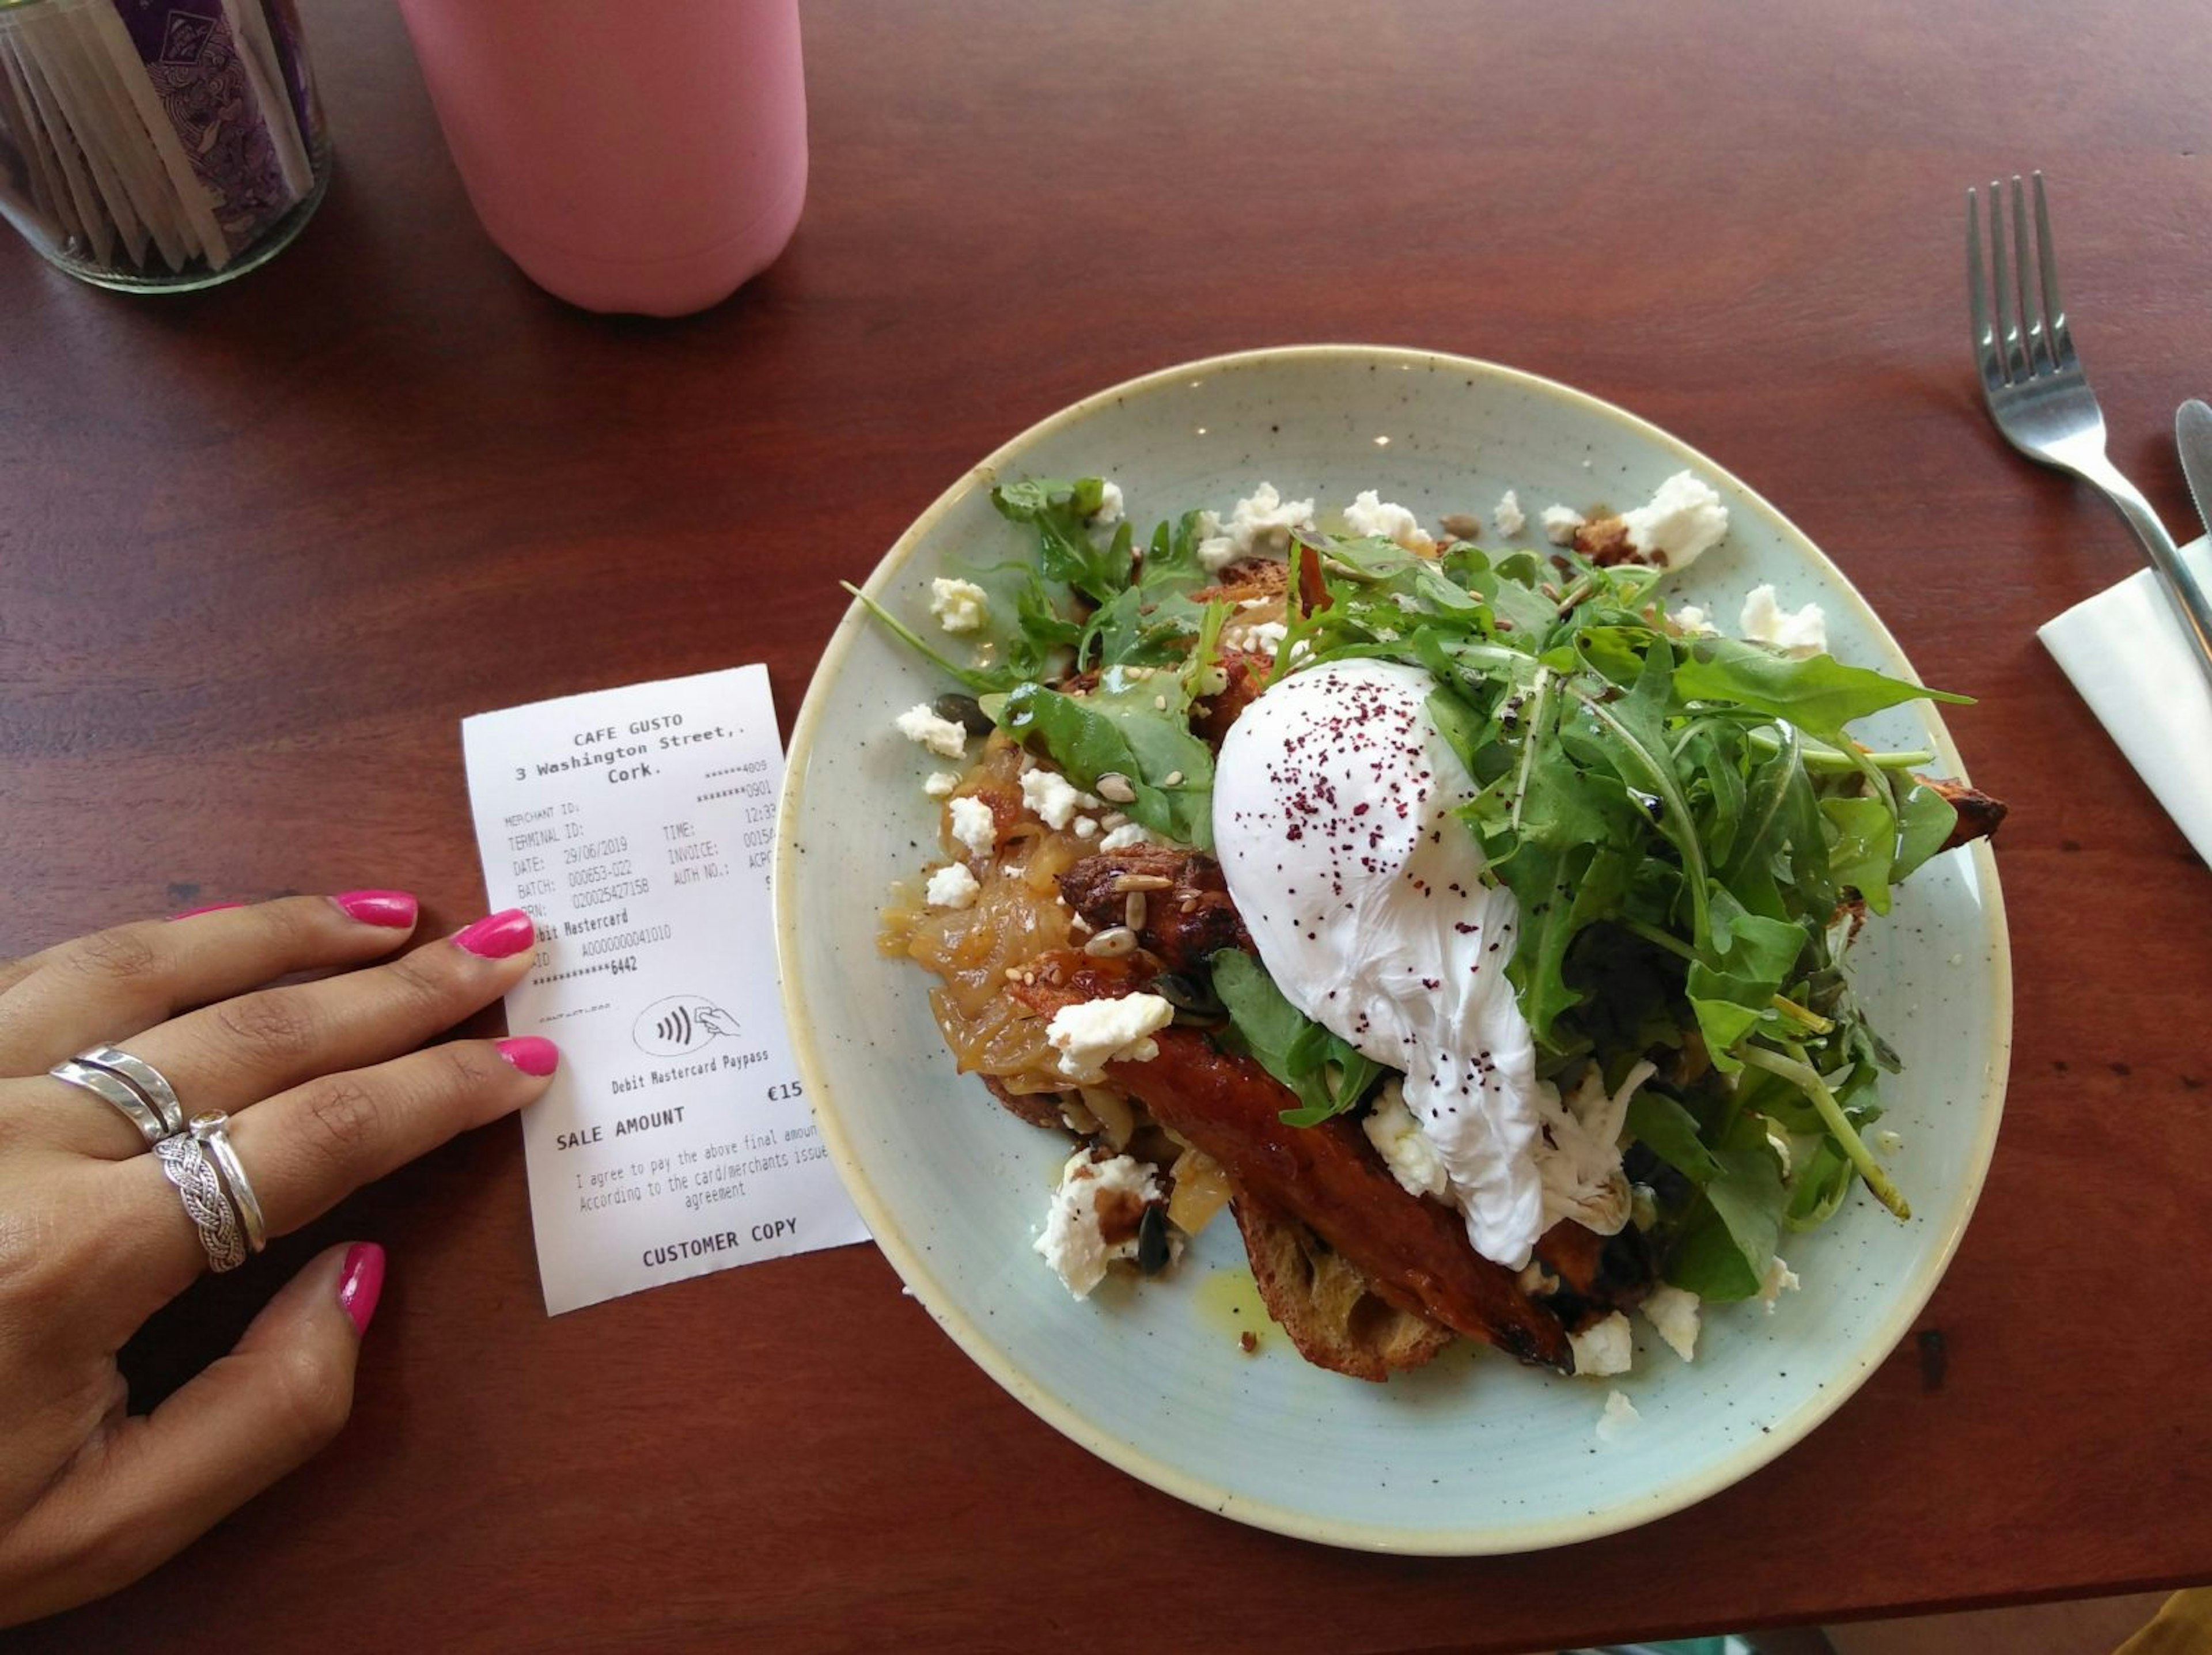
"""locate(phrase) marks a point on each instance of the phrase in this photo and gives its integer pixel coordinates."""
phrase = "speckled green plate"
(1472, 1454)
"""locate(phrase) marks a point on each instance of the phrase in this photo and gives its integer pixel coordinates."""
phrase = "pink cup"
(648, 156)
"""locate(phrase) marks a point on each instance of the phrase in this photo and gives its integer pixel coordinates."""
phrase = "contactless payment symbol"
(680, 1024)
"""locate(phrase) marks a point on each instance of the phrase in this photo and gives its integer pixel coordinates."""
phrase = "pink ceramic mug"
(648, 156)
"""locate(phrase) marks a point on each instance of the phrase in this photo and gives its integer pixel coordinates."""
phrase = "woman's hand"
(325, 1091)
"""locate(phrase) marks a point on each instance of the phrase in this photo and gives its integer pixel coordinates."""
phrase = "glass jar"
(158, 149)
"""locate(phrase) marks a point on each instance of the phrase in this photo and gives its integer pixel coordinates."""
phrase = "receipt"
(634, 825)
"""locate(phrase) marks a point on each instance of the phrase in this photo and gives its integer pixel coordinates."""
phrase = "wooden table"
(261, 549)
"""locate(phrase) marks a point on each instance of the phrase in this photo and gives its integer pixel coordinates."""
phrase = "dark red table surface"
(261, 549)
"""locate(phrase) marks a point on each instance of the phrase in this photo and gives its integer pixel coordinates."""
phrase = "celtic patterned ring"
(207, 1131)
(186, 1160)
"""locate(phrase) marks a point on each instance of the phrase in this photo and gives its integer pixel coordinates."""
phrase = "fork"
(2038, 395)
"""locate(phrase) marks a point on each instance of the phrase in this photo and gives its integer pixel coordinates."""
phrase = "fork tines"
(2027, 335)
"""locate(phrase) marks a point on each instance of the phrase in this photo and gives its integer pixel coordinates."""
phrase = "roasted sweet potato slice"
(1415, 1251)
(1186, 918)
(1978, 813)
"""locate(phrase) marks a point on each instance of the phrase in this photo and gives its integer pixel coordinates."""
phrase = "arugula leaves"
(1123, 729)
(1729, 1241)
(1326, 1074)
(1066, 551)
(1680, 820)
(1733, 993)
(1818, 693)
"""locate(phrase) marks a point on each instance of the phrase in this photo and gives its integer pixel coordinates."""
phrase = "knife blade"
(2192, 436)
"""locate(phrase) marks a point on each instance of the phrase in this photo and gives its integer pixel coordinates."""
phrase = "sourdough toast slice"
(1329, 1309)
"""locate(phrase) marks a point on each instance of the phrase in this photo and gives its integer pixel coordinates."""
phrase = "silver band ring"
(152, 1084)
(126, 1098)
(186, 1162)
(209, 1131)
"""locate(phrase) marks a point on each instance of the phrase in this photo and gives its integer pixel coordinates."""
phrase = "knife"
(2193, 434)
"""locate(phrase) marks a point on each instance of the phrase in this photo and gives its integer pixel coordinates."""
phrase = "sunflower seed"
(1110, 945)
(1125, 883)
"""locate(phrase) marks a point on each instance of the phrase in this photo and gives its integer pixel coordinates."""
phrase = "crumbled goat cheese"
(1692, 622)
(1092, 1033)
(1085, 826)
(1619, 1413)
(941, 735)
(1261, 634)
(1053, 797)
(975, 826)
(958, 605)
(1216, 550)
(1887, 1143)
(1778, 1280)
(1507, 516)
(1128, 834)
(1406, 1149)
(1074, 1242)
(940, 783)
(1560, 523)
(1371, 514)
(1260, 524)
(1795, 632)
(1110, 505)
(1674, 1311)
(1684, 520)
(953, 886)
(1605, 1348)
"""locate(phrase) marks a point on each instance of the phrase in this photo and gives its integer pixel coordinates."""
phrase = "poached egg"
(1333, 821)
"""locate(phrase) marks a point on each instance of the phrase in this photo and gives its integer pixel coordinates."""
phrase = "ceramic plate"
(1473, 1453)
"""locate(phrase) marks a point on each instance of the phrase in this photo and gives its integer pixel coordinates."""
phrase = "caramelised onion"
(1201, 1189)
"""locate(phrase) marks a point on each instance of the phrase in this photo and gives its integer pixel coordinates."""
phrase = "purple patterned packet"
(201, 79)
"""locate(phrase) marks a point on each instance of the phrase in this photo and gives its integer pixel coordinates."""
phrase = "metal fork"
(2039, 396)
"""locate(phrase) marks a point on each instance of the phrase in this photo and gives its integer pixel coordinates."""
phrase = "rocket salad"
(1689, 832)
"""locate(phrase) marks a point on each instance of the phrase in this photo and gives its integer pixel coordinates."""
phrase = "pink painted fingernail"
(395, 909)
(212, 908)
(531, 1054)
(361, 1283)
(497, 936)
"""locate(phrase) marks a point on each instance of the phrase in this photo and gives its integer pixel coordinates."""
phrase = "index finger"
(116, 984)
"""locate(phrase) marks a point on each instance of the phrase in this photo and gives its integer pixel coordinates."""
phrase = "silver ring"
(152, 1084)
(210, 1132)
(185, 1160)
(126, 1098)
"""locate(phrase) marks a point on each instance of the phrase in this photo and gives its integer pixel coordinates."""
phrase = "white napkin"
(2127, 654)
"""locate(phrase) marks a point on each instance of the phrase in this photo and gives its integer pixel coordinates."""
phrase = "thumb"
(155, 1484)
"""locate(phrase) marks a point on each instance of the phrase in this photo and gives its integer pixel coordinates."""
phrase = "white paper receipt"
(634, 825)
